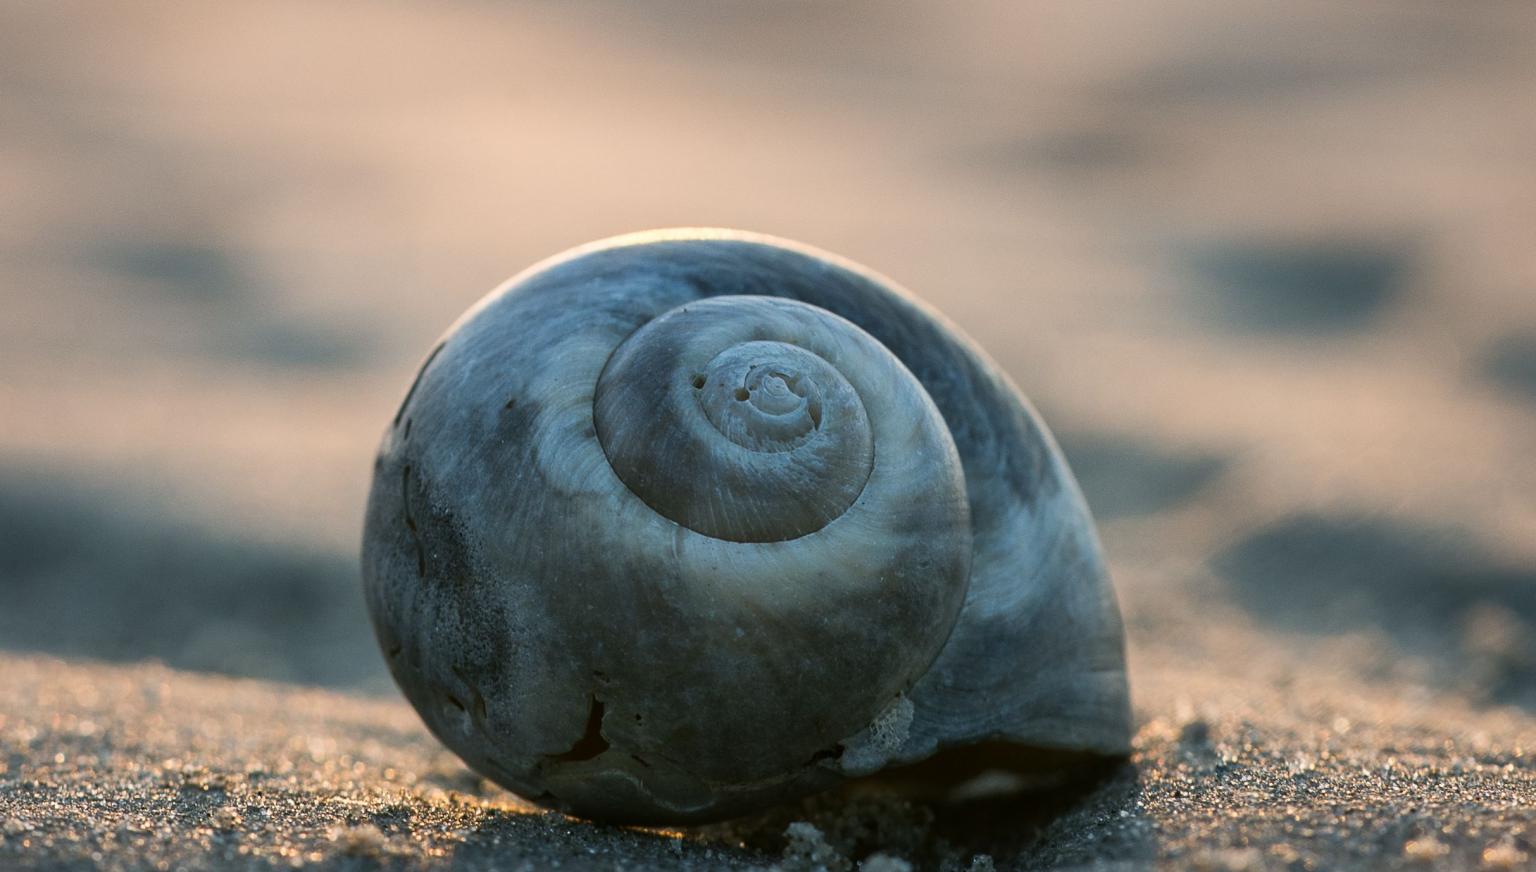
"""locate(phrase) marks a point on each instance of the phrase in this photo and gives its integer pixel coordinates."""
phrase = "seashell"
(679, 525)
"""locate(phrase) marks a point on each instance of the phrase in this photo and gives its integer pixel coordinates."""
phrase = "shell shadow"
(1431, 591)
(1326, 288)
(1054, 829)
(1037, 827)
(96, 572)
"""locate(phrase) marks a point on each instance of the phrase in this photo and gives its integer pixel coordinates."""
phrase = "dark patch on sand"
(1430, 590)
(1234, 78)
(102, 574)
(1323, 288)
(222, 303)
(187, 269)
(291, 344)
(1071, 152)
(1123, 476)
(1510, 363)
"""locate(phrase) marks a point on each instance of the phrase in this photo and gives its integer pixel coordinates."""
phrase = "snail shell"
(678, 525)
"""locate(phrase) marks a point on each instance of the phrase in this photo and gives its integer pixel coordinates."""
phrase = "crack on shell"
(592, 742)
(410, 520)
(411, 392)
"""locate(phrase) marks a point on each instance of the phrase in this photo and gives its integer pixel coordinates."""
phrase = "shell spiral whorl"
(676, 526)
(731, 416)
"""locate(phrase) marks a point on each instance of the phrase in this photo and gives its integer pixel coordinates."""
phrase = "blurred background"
(1268, 271)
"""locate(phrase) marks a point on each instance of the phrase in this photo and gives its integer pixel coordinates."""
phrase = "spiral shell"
(678, 525)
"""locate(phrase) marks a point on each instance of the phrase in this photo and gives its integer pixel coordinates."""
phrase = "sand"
(1266, 269)
(145, 767)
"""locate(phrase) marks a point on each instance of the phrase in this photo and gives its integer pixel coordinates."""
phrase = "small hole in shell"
(698, 382)
(742, 394)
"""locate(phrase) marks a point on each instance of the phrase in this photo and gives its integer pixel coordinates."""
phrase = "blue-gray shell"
(679, 525)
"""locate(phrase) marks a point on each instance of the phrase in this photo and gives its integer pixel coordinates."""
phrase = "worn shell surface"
(678, 525)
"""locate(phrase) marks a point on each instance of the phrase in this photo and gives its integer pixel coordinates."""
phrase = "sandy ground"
(146, 767)
(1268, 270)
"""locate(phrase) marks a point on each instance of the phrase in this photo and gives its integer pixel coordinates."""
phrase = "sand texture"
(145, 767)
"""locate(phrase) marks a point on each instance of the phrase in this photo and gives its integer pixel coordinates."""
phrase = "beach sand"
(146, 767)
